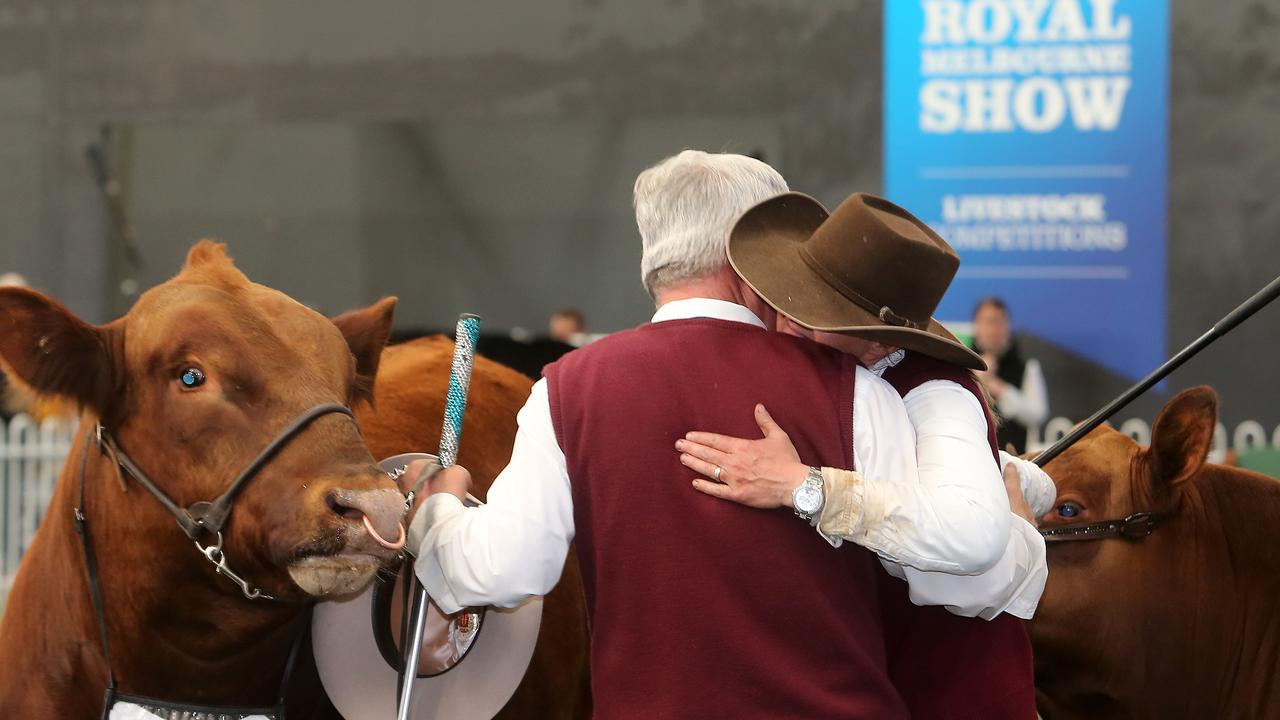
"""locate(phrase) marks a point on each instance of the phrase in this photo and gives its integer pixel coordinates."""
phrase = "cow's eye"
(1069, 509)
(191, 378)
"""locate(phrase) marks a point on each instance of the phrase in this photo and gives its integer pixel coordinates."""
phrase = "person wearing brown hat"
(591, 464)
(866, 279)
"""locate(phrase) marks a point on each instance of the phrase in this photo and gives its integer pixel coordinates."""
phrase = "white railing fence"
(31, 457)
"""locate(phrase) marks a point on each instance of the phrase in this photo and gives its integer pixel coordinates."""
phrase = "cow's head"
(1107, 594)
(200, 375)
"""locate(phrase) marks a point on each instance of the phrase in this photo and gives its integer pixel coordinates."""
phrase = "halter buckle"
(214, 554)
(1138, 526)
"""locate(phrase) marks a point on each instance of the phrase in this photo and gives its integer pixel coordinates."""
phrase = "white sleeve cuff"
(1037, 487)
(435, 511)
(842, 512)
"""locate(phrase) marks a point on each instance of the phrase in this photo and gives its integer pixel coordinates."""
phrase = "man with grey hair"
(685, 207)
(698, 608)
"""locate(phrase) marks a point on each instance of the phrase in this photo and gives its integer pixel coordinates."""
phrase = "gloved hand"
(1037, 486)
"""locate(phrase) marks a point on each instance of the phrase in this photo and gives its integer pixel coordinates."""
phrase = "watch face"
(808, 499)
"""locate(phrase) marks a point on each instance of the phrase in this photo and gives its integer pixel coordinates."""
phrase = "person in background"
(568, 326)
(1015, 383)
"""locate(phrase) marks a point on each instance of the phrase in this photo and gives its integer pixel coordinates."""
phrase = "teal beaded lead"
(464, 352)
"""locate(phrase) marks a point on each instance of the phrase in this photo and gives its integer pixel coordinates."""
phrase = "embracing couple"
(865, 558)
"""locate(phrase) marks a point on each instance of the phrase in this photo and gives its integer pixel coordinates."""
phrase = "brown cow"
(1184, 623)
(179, 631)
(192, 383)
(406, 415)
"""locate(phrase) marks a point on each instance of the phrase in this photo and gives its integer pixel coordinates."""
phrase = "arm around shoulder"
(932, 495)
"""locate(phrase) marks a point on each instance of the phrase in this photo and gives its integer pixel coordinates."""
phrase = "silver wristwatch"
(808, 498)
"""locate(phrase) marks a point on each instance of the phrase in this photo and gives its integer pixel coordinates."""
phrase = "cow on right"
(1162, 598)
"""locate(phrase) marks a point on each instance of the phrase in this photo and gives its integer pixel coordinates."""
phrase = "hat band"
(884, 312)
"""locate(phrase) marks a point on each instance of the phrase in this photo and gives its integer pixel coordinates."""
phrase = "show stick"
(1260, 300)
(464, 351)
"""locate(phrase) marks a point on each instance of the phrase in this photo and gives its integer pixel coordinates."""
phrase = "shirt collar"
(887, 362)
(706, 308)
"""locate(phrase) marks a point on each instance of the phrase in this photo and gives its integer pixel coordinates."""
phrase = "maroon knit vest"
(948, 667)
(703, 608)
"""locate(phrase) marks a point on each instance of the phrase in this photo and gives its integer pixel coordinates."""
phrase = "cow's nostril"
(342, 510)
(377, 511)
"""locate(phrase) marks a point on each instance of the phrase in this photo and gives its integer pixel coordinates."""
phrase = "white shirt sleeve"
(1029, 404)
(952, 450)
(513, 547)
(932, 496)
(1014, 585)
(1038, 489)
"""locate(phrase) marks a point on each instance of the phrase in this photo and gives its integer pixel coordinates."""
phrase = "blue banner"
(1032, 135)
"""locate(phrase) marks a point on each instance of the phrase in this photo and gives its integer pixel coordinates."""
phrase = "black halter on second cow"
(202, 518)
(207, 518)
(1134, 527)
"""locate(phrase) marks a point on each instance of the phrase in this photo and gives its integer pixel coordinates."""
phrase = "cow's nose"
(383, 508)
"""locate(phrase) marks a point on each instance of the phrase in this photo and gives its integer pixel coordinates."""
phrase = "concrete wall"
(479, 156)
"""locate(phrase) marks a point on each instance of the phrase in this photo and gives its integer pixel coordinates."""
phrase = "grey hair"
(685, 207)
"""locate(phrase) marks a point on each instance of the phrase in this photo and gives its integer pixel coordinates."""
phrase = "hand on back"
(757, 473)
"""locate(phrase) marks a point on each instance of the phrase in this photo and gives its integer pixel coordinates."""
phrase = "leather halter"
(199, 519)
(207, 518)
(1134, 527)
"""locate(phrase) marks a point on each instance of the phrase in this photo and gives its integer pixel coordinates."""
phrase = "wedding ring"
(718, 471)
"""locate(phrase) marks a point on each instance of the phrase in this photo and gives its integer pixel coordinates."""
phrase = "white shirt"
(953, 455)
(924, 528)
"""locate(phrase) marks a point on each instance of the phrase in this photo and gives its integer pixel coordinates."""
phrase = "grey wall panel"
(479, 156)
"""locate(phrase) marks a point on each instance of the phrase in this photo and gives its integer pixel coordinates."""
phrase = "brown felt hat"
(869, 269)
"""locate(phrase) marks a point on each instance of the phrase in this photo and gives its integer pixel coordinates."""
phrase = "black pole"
(1222, 327)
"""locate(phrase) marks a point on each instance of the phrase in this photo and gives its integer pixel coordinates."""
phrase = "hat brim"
(764, 250)
(363, 686)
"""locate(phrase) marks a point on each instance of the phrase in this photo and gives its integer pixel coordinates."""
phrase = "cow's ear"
(1182, 436)
(47, 347)
(366, 331)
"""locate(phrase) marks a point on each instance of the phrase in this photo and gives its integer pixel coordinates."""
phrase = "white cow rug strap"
(128, 707)
(122, 706)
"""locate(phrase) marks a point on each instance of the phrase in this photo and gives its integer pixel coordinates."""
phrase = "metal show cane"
(1260, 300)
(464, 350)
